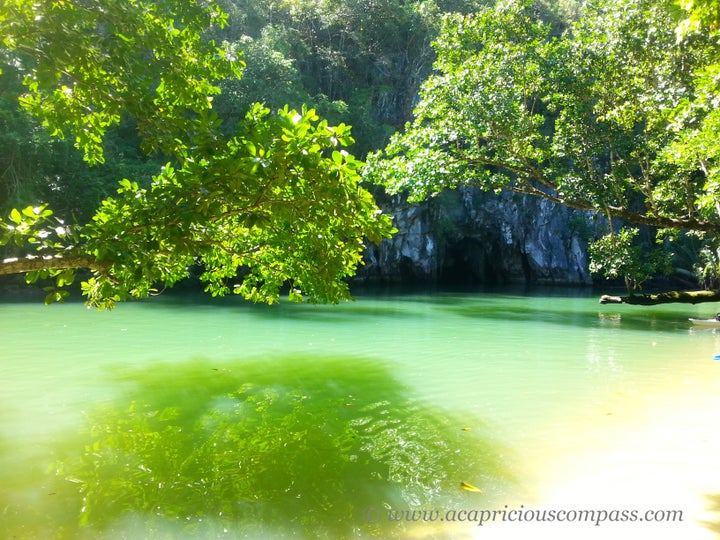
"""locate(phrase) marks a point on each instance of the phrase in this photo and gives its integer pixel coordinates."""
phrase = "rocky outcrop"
(466, 236)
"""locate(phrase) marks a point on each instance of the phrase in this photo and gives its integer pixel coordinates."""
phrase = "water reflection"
(282, 447)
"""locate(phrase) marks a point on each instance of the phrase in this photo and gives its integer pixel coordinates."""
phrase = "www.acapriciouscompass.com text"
(519, 514)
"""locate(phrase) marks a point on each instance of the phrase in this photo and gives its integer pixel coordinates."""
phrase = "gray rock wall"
(467, 236)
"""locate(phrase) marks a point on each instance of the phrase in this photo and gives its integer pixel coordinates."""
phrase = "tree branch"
(29, 264)
(525, 187)
(662, 222)
(672, 297)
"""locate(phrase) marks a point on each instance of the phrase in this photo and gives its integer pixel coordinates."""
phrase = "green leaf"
(65, 278)
(30, 212)
(15, 216)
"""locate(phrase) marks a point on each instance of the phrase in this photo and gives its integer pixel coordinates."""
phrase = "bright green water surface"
(188, 418)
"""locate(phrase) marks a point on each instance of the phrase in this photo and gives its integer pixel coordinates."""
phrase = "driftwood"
(672, 297)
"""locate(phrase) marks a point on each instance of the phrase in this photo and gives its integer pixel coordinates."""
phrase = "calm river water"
(544, 414)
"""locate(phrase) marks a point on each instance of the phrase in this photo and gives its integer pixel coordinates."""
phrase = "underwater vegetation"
(292, 446)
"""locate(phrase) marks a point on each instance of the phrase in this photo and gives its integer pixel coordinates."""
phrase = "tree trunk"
(672, 297)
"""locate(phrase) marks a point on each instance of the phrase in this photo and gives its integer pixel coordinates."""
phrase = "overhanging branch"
(30, 264)
(529, 173)
(662, 222)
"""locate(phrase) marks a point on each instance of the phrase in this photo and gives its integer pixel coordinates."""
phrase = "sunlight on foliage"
(615, 116)
(273, 203)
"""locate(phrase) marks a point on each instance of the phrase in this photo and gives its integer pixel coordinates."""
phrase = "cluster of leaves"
(280, 201)
(275, 201)
(36, 229)
(614, 115)
(702, 15)
(621, 256)
(89, 64)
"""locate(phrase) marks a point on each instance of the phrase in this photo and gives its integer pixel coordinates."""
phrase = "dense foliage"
(616, 115)
(273, 201)
(610, 108)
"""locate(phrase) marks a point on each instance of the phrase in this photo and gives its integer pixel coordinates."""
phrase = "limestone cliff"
(466, 236)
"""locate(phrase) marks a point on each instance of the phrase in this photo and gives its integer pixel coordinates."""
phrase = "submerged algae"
(295, 446)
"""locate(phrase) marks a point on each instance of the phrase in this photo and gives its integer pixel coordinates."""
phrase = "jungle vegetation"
(144, 139)
(617, 115)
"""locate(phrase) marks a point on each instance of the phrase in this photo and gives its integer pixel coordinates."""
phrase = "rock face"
(466, 236)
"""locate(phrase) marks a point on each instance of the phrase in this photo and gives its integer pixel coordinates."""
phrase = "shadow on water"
(557, 306)
(631, 318)
(345, 312)
(295, 447)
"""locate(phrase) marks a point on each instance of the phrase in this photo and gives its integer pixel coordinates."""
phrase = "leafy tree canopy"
(617, 115)
(277, 200)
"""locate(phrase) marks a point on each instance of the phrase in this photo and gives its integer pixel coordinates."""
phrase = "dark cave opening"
(472, 261)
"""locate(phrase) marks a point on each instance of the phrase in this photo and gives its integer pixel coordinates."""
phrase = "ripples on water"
(178, 418)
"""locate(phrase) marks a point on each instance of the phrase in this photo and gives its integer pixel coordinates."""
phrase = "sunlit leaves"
(37, 236)
(29, 225)
(619, 255)
(89, 65)
(277, 204)
(481, 109)
(615, 115)
(274, 204)
(701, 15)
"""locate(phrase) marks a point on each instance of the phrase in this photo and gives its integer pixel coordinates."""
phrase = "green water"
(189, 418)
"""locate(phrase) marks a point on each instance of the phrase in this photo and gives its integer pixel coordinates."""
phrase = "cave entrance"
(472, 261)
